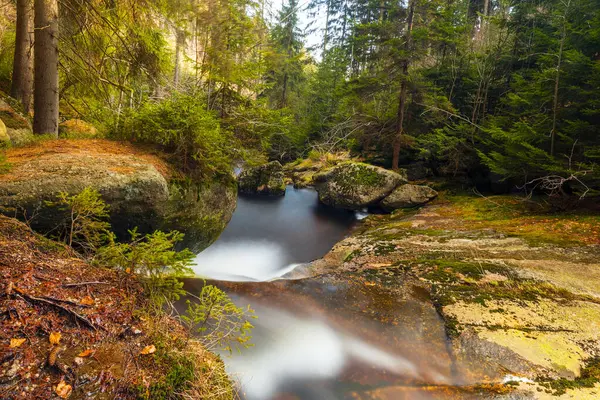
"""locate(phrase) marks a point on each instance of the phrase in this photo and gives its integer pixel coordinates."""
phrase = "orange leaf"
(86, 353)
(16, 342)
(148, 349)
(55, 338)
(87, 301)
(63, 390)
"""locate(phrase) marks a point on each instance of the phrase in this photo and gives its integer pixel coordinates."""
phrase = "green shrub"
(152, 257)
(218, 320)
(182, 126)
(86, 227)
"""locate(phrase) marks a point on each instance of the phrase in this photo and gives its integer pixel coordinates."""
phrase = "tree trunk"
(557, 83)
(403, 86)
(22, 78)
(45, 101)
(179, 45)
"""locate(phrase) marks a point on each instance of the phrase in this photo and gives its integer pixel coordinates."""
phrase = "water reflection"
(268, 236)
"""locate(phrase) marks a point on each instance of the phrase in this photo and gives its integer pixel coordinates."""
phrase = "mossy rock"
(267, 179)
(4, 138)
(200, 210)
(355, 185)
(77, 129)
(11, 118)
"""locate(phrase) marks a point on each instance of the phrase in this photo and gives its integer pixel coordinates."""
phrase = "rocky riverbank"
(517, 287)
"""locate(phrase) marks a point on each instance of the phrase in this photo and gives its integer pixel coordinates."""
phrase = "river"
(331, 337)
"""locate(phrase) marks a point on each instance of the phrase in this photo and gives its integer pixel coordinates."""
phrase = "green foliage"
(180, 373)
(153, 258)
(86, 227)
(183, 126)
(218, 320)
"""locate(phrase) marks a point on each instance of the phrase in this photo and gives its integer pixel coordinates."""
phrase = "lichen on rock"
(408, 196)
(355, 185)
(77, 129)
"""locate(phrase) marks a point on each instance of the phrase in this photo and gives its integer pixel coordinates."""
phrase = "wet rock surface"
(515, 303)
(267, 179)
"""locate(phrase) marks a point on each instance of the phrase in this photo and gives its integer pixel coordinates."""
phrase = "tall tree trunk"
(403, 86)
(179, 45)
(557, 81)
(45, 100)
(22, 78)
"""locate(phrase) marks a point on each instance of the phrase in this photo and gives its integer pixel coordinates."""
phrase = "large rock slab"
(408, 195)
(355, 185)
(134, 183)
(267, 179)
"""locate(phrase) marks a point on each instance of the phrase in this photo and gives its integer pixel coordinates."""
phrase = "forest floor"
(69, 329)
(517, 286)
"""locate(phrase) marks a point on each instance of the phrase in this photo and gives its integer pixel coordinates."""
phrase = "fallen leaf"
(55, 338)
(63, 390)
(148, 349)
(128, 270)
(86, 353)
(87, 301)
(15, 342)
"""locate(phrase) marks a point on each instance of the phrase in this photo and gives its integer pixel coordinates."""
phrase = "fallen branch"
(33, 299)
(84, 284)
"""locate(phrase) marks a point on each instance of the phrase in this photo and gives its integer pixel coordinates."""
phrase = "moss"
(77, 129)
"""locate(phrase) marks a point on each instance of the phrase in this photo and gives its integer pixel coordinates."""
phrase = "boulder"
(133, 183)
(4, 138)
(267, 179)
(408, 196)
(355, 185)
(18, 128)
(77, 129)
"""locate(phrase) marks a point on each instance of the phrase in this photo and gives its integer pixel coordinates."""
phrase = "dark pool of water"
(268, 236)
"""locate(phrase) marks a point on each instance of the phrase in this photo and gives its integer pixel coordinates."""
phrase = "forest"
(504, 95)
(304, 199)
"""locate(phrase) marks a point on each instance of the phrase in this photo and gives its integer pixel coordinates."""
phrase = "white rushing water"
(244, 261)
(298, 351)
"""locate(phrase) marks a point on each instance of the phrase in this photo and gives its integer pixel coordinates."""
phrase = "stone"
(267, 179)
(17, 127)
(4, 138)
(77, 129)
(133, 183)
(408, 195)
(355, 185)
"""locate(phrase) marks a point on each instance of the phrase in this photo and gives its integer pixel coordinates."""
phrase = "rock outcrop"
(133, 183)
(408, 195)
(267, 179)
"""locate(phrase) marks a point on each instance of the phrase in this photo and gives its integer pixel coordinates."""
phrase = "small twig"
(33, 299)
(84, 283)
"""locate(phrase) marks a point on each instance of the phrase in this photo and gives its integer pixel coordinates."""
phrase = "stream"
(330, 337)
